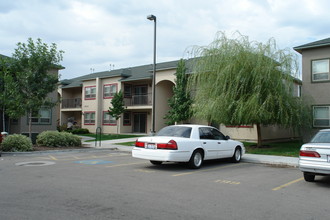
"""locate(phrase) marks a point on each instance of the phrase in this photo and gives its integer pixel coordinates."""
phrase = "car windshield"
(321, 137)
(175, 131)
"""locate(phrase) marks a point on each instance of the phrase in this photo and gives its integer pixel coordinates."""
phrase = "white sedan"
(187, 143)
(314, 157)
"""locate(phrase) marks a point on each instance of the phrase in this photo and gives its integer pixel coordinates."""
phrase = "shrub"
(58, 139)
(80, 131)
(16, 143)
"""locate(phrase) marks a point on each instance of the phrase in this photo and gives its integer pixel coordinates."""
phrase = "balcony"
(71, 103)
(138, 100)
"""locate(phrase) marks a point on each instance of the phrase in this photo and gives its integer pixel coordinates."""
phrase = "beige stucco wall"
(106, 103)
(165, 75)
(164, 92)
(240, 133)
(90, 105)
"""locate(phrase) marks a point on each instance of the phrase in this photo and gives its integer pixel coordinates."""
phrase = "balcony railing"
(71, 103)
(138, 100)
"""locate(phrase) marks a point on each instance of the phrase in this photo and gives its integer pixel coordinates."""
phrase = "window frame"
(91, 96)
(313, 74)
(90, 121)
(129, 123)
(314, 119)
(108, 123)
(110, 96)
(39, 118)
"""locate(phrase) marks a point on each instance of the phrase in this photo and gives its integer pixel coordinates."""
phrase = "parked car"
(187, 143)
(314, 157)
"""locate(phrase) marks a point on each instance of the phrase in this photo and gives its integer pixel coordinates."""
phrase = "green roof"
(315, 44)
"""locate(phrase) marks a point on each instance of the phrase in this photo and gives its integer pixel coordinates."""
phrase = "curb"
(276, 161)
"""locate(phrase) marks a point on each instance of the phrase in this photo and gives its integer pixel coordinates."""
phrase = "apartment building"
(86, 100)
(316, 80)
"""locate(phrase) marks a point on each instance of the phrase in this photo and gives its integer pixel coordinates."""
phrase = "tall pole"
(153, 130)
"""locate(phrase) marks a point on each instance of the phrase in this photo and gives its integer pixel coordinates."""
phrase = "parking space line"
(53, 158)
(145, 171)
(72, 157)
(228, 182)
(204, 170)
(287, 184)
(126, 164)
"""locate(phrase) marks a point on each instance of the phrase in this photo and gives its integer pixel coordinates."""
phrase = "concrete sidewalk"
(248, 158)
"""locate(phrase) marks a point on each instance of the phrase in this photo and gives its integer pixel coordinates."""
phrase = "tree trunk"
(259, 135)
(30, 124)
(3, 120)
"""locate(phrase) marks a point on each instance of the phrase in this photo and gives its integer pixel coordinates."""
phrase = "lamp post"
(153, 18)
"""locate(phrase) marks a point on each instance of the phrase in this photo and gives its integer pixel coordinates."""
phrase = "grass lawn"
(127, 143)
(105, 137)
(289, 149)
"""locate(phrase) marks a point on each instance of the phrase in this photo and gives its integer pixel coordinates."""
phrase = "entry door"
(140, 121)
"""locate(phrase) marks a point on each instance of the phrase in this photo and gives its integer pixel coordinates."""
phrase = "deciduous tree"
(29, 80)
(240, 82)
(118, 107)
(180, 102)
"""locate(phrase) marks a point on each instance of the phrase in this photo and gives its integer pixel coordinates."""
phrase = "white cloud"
(95, 34)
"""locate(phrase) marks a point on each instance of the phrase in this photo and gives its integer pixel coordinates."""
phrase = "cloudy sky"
(97, 35)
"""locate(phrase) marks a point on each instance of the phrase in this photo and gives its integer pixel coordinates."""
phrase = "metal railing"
(71, 103)
(138, 100)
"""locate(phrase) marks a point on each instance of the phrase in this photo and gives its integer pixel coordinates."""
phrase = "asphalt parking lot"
(110, 184)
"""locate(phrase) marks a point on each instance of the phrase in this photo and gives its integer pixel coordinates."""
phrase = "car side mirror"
(227, 137)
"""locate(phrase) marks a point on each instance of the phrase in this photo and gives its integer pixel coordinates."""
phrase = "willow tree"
(240, 82)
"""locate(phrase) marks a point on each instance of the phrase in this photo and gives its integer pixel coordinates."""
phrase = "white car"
(314, 157)
(187, 143)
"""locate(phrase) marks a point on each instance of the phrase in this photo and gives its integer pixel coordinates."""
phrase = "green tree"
(30, 79)
(239, 82)
(118, 107)
(180, 102)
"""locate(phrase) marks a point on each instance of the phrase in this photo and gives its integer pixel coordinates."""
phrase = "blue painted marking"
(93, 162)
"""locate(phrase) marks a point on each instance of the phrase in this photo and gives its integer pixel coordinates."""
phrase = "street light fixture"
(153, 18)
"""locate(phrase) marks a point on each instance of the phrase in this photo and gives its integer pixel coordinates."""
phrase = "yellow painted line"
(126, 164)
(53, 158)
(287, 184)
(205, 170)
(145, 171)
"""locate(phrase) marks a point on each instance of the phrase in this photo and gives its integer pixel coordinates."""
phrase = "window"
(89, 118)
(127, 118)
(175, 131)
(109, 90)
(90, 92)
(42, 117)
(127, 91)
(211, 134)
(320, 70)
(108, 119)
(321, 116)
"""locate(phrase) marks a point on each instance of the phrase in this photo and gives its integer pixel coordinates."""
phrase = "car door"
(226, 147)
(209, 143)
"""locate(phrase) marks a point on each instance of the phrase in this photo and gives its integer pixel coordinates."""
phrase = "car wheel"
(309, 177)
(196, 160)
(154, 162)
(237, 155)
